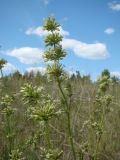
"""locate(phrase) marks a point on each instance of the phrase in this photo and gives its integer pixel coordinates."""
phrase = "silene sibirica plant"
(54, 54)
(38, 125)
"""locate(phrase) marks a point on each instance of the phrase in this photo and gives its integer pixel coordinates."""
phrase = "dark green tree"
(106, 73)
(2, 63)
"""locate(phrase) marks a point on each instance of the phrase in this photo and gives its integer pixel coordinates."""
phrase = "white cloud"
(40, 32)
(116, 74)
(42, 70)
(46, 2)
(109, 30)
(63, 32)
(65, 19)
(9, 68)
(114, 6)
(36, 31)
(27, 55)
(89, 51)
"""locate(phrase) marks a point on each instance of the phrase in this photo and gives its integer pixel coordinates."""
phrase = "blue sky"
(91, 30)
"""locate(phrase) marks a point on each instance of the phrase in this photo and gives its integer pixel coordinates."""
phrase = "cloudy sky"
(91, 31)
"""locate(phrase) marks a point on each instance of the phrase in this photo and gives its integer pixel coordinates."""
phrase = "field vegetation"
(57, 116)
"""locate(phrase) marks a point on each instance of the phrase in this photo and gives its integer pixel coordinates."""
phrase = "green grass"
(29, 135)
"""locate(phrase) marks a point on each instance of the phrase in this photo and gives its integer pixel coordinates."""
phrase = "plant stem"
(67, 110)
(96, 149)
(100, 137)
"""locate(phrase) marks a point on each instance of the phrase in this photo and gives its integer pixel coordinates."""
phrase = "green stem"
(100, 137)
(67, 110)
(96, 149)
(66, 102)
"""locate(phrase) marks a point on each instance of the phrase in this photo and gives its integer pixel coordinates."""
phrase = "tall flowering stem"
(102, 101)
(54, 54)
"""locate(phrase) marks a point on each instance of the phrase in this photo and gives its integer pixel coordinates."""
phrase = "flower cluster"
(7, 102)
(16, 155)
(31, 94)
(55, 52)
